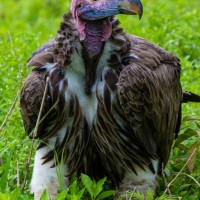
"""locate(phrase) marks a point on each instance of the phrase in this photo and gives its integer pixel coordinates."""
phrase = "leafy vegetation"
(25, 25)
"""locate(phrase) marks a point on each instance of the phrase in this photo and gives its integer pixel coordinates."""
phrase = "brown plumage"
(137, 109)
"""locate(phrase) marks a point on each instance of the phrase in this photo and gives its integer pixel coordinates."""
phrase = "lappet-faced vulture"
(113, 101)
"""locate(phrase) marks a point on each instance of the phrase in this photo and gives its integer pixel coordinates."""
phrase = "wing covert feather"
(43, 55)
(31, 98)
(150, 94)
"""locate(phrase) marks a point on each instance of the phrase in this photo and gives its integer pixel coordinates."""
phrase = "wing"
(150, 94)
(43, 55)
(33, 90)
(55, 107)
(31, 98)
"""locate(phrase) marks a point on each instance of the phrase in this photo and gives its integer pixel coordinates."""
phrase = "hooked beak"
(131, 7)
(106, 8)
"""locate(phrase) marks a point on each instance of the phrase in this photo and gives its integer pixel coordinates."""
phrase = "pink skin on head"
(80, 24)
(105, 28)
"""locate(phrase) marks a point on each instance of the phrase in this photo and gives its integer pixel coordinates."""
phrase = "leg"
(140, 182)
(45, 177)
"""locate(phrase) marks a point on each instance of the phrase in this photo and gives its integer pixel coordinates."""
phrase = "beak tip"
(140, 11)
(140, 16)
(133, 7)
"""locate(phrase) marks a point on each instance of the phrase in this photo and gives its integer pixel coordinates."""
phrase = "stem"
(41, 108)
(168, 186)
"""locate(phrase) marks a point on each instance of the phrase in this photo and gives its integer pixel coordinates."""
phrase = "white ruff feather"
(45, 176)
(140, 182)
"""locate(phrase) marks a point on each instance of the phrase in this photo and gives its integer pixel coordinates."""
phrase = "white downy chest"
(76, 83)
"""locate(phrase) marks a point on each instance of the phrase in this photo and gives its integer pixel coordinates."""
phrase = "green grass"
(25, 25)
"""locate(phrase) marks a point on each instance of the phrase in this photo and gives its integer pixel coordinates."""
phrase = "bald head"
(94, 10)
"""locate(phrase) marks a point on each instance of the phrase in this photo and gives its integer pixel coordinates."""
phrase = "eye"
(80, 5)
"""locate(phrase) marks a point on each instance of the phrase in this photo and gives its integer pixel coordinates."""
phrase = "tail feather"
(190, 97)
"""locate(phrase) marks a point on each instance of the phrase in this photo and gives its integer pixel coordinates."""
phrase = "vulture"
(101, 102)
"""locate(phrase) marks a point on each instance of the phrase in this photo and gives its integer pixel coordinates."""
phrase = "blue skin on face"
(94, 12)
(106, 8)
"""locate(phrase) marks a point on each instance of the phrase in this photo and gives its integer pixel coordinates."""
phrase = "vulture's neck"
(96, 33)
(93, 42)
(93, 48)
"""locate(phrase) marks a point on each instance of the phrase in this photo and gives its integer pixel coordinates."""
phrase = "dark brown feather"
(30, 100)
(150, 95)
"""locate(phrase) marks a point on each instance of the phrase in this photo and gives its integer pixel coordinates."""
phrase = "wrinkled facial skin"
(96, 10)
(85, 11)
(89, 10)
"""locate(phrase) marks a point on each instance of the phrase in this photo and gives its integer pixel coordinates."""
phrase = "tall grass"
(25, 25)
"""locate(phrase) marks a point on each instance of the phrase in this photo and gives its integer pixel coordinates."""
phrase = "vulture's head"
(88, 11)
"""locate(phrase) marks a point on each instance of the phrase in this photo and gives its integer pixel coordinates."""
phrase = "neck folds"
(93, 37)
(95, 34)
